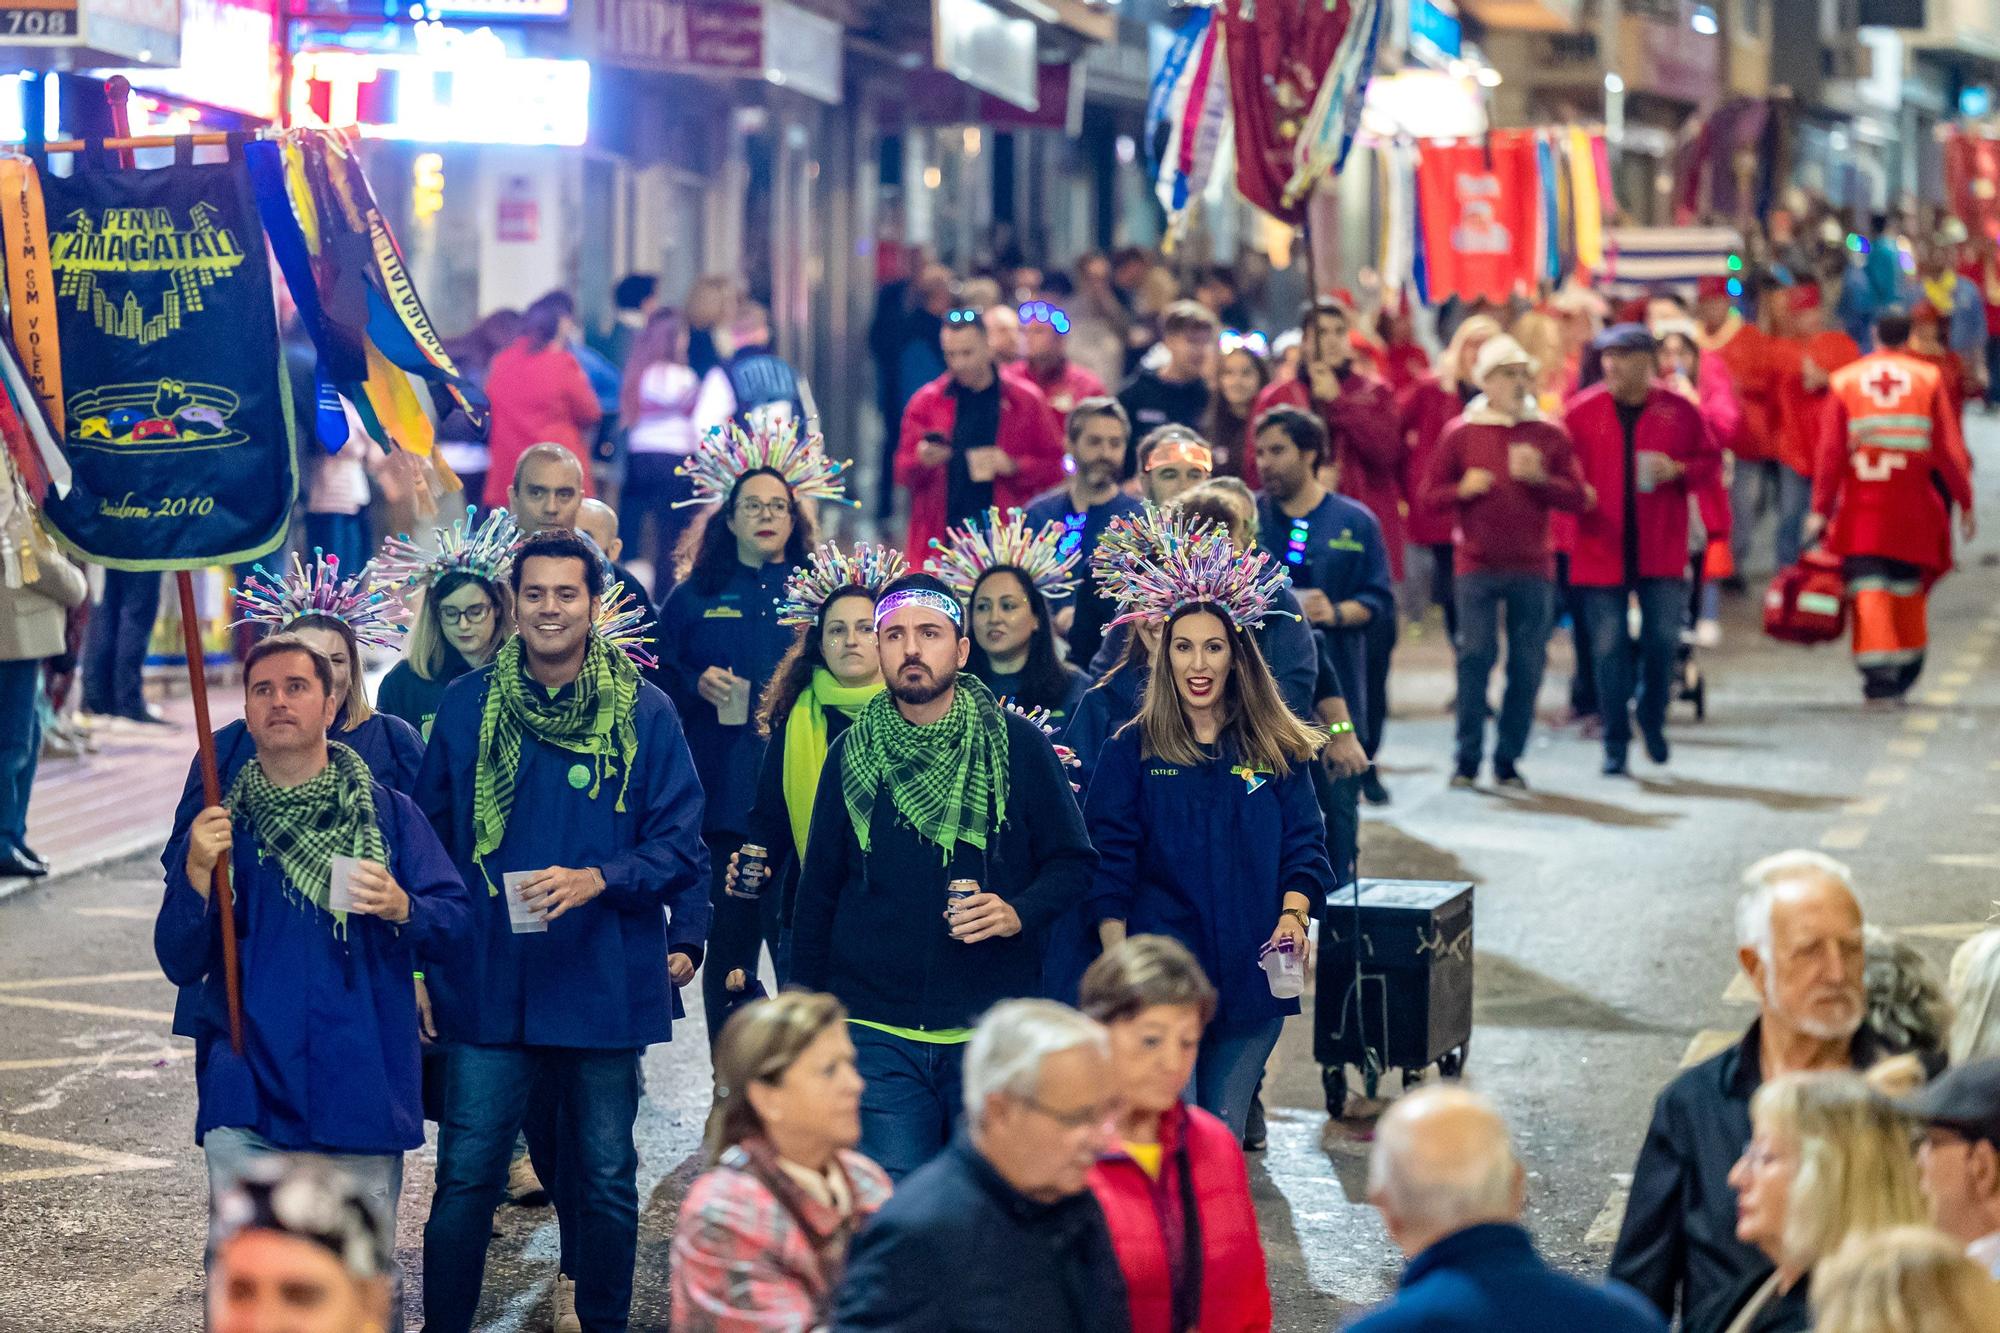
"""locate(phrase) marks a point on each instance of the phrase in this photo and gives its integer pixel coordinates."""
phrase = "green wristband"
(1339, 728)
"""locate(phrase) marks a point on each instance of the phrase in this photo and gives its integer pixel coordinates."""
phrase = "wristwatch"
(1305, 922)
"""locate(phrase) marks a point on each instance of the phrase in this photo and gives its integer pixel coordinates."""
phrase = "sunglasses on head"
(962, 317)
(1041, 312)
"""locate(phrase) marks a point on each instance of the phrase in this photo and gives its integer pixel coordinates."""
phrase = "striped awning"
(1639, 258)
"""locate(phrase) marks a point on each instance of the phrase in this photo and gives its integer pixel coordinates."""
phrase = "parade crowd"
(1030, 812)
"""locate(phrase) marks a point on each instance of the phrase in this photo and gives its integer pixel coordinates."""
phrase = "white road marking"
(102, 978)
(1604, 1231)
(69, 1061)
(122, 913)
(78, 1007)
(1972, 860)
(1844, 837)
(1956, 931)
(96, 1161)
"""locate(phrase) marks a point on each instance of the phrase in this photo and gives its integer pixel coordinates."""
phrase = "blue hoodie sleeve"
(1303, 866)
(1376, 591)
(186, 934)
(1113, 816)
(669, 864)
(406, 755)
(1293, 650)
(440, 909)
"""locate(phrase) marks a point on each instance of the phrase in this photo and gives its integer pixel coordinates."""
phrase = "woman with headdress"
(1005, 571)
(464, 615)
(721, 639)
(339, 617)
(1202, 808)
(820, 686)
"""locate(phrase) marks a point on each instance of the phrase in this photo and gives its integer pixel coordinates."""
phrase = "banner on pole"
(175, 410)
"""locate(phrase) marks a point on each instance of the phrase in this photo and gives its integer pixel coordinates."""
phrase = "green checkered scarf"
(596, 719)
(305, 827)
(948, 779)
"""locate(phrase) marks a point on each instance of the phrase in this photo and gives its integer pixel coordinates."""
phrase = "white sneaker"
(1708, 634)
(565, 1294)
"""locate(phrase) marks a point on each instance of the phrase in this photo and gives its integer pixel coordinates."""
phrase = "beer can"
(753, 867)
(957, 892)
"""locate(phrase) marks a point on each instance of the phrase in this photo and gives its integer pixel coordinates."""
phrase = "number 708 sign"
(31, 22)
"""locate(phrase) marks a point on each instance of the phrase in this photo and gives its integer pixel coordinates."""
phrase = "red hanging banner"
(1279, 51)
(1479, 216)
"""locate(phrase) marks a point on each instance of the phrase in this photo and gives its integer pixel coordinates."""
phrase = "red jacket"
(538, 398)
(1670, 425)
(1888, 439)
(1423, 410)
(1366, 443)
(1505, 530)
(1235, 1295)
(1028, 435)
(1065, 386)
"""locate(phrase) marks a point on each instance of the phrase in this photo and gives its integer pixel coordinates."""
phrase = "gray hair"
(1906, 1004)
(1011, 1042)
(1762, 881)
(1974, 988)
(1443, 1186)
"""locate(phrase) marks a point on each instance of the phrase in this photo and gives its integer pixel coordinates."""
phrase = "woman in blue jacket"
(1005, 569)
(1202, 808)
(720, 642)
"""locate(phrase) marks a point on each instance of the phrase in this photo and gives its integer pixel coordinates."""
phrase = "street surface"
(1604, 945)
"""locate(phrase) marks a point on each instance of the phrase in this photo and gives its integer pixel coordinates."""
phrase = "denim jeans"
(1530, 603)
(379, 1179)
(912, 1100)
(486, 1098)
(1228, 1068)
(1753, 489)
(114, 651)
(1583, 681)
(1794, 502)
(1662, 606)
(20, 743)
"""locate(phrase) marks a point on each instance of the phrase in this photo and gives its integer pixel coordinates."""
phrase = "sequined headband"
(1192, 452)
(928, 599)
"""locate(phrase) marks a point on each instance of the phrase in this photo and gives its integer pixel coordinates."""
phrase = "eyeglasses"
(764, 508)
(471, 615)
(1082, 1118)
(962, 317)
(1041, 312)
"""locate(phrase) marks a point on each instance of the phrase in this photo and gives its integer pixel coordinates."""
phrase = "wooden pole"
(116, 91)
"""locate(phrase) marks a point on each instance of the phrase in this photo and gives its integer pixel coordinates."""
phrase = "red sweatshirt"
(1506, 530)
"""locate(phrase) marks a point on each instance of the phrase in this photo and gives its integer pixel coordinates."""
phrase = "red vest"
(1888, 431)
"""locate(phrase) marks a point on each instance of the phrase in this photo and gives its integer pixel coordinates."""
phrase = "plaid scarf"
(305, 827)
(948, 779)
(596, 719)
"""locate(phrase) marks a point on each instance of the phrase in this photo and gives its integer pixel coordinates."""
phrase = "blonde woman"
(1829, 1161)
(762, 1237)
(1909, 1280)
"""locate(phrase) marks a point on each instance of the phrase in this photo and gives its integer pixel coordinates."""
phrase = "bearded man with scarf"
(330, 1061)
(561, 781)
(932, 783)
(1499, 470)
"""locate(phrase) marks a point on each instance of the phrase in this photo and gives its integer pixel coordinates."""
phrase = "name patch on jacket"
(722, 613)
(1346, 541)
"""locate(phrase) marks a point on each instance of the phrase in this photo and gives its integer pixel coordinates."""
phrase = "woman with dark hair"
(1240, 375)
(539, 395)
(464, 616)
(1005, 570)
(820, 686)
(762, 1237)
(721, 640)
(1202, 808)
(656, 409)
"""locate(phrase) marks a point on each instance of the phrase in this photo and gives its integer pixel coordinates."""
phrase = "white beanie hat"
(1498, 352)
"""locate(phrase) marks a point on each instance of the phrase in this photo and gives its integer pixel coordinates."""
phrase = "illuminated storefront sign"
(228, 58)
(451, 86)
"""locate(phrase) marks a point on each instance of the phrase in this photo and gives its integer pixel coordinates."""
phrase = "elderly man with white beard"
(1798, 939)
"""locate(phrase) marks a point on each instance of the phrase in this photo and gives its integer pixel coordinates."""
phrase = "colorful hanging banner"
(175, 407)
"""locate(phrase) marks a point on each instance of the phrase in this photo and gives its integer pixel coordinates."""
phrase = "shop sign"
(39, 23)
(1892, 13)
(977, 44)
(228, 58)
(519, 219)
(100, 31)
(450, 85)
(775, 40)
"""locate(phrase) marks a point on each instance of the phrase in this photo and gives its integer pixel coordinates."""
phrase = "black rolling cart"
(1409, 1006)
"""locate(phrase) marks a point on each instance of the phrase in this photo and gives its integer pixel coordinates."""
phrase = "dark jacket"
(1286, 640)
(870, 928)
(598, 977)
(1678, 1242)
(406, 695)
(736, 627)
(391, 747)
(959, 1250)
(1338, 548)
(1488, 1279)
(1785, 1312)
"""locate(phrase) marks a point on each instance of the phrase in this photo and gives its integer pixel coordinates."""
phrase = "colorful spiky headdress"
(1176, 564)
(729, 451)
(1044, 721)
(623, 623)
(828, 570)
(483, 550)
(1130, 539)
(966, 553)
(360, 603)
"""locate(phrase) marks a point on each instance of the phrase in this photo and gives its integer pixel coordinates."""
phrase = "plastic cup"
(1285, 968)
(521, 918)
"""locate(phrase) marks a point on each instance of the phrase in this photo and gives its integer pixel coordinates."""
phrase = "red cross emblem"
(1881, 466)
(1887, 385)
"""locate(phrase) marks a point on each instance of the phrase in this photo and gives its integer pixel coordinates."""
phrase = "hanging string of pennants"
(144, 406)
